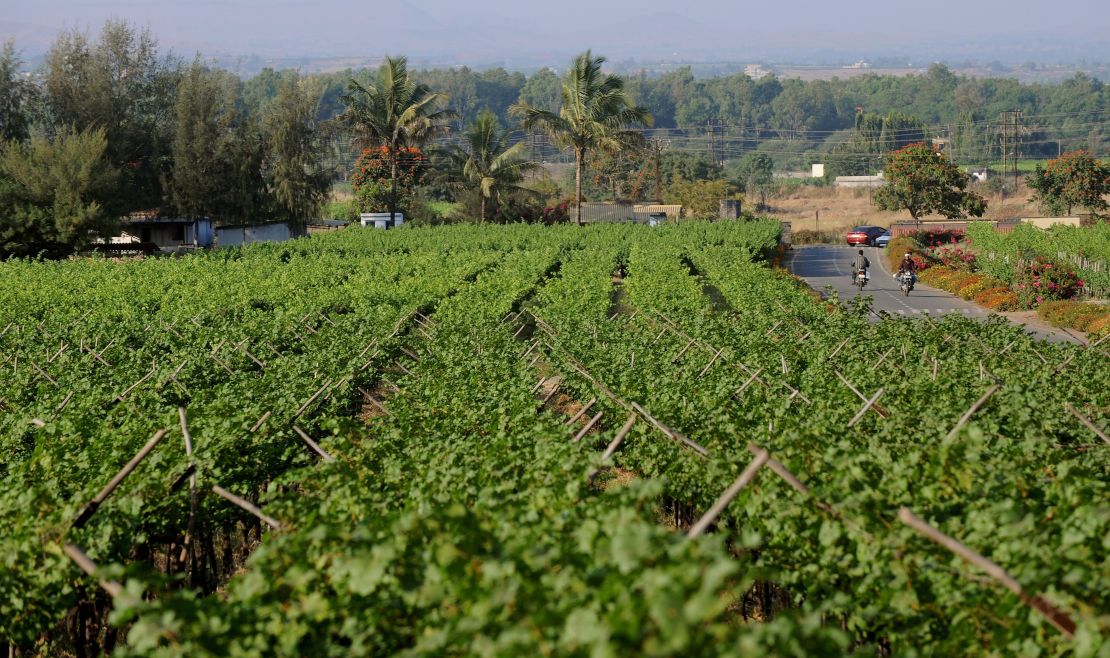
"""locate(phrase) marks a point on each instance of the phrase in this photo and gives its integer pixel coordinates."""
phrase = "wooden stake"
(588, 426)
(312, 399)
(61, 406)
(672, 433)
(1086, 421)
(866, 405)
(748, 383)
(43, 373)
(244, 504)
(710, 364)
(975, 407)
(1054, 615)
(882, 358)
(683, 351)
(97, 500)
(552, 392)
(537, 386)
(619, 438)
(837, 350)
(312, 444)
(83, 561)
(258, 423)
(881, 411)
(581, 412)
(780, 470)
(729, 494)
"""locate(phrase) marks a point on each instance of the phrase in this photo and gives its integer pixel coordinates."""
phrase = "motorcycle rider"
(860, 262)
(907, 265)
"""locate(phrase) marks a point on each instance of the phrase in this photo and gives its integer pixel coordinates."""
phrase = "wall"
(232, 236)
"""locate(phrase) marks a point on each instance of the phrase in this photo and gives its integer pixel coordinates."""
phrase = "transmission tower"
(1010, 132)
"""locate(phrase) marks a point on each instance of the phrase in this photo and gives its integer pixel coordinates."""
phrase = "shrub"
(938, 237)
(956, 258)
(1073, 314)
(1045, 280)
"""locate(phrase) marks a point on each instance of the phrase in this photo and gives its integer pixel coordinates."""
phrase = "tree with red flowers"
(922, 181)
(386, 179)
(1075, 179)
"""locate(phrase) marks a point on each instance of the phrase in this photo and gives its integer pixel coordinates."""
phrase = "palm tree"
(487, 162)
(395, 113)
(596, 113)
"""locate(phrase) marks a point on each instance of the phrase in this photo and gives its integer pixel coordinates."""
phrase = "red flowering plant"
(1045, 280)
(376, 190)
(557, 214)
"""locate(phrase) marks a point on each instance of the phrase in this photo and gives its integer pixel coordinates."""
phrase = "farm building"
(152, 234)
(240, 234)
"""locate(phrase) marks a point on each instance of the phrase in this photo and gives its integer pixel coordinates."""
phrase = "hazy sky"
(517, 29)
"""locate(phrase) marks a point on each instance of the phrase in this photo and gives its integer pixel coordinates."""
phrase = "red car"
(865, 235)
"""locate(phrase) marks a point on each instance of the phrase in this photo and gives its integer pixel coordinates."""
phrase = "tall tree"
(1075, 179)
(296, 179)
(487, 163)
(15, 95)
(756, 172)
(48, 190)
(395, 113)
(119, 82)
(217, 150)
(922, 181)
(596, 114)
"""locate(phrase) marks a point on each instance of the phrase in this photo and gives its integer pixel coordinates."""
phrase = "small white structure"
(381, 219)
(817, 170)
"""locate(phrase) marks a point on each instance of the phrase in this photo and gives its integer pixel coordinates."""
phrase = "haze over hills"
(522, 36)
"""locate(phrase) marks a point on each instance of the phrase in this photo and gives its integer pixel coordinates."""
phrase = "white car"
(882, 240)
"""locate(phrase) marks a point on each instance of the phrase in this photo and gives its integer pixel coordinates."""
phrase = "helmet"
(907, 254)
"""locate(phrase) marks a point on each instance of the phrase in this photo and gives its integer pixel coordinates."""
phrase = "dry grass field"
(841, 208)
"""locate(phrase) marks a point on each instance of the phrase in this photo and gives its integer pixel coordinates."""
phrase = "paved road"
(827, 265)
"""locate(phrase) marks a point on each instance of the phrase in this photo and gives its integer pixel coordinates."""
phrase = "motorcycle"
(905, 280)
(861, 279)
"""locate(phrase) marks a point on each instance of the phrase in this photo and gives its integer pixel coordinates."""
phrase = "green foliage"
(49, 190)
(1075, 179)
(1086, 248)
(922, 182)
(755, 172)
(487, 165)
(16, 94)
(218, 150)
(684, 165)
(543, 90)
(462, 522)
(121, 83)
(699, 198)
(294, 175)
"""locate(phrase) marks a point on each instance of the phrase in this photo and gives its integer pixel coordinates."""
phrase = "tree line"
(111, 126)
